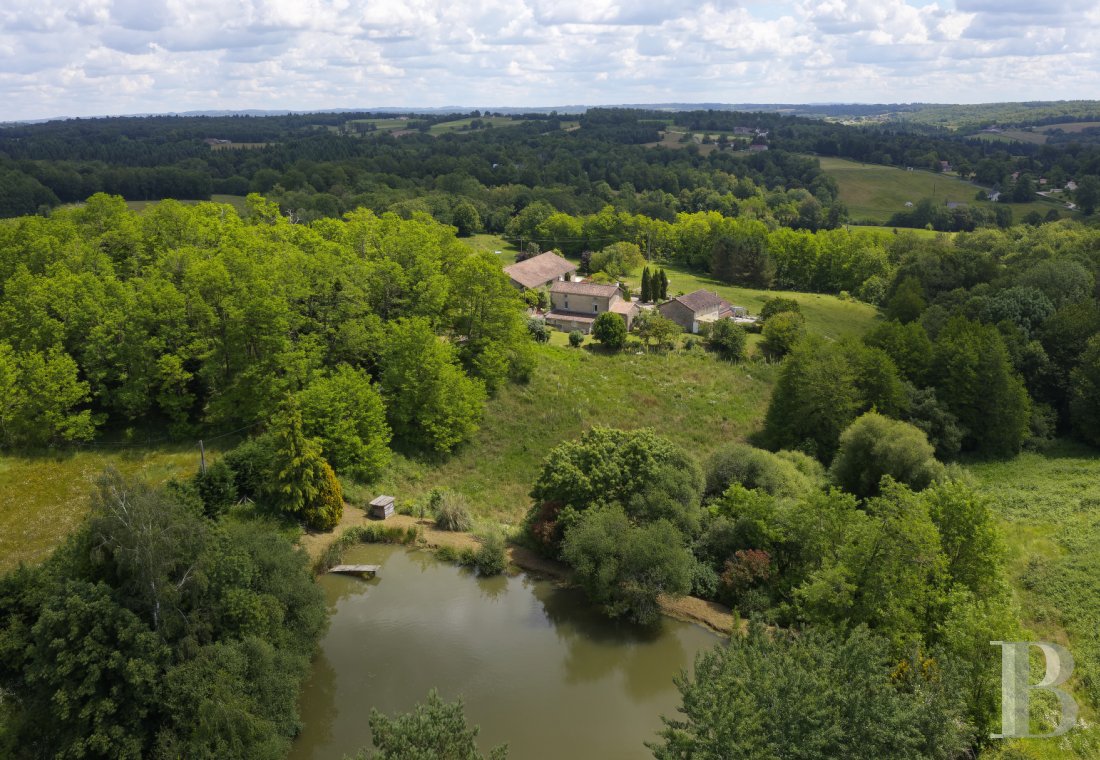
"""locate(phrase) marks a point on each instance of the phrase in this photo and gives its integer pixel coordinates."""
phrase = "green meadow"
(1049, 507)
(873, 192)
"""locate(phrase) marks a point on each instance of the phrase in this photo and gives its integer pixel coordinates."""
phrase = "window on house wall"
(595, 307)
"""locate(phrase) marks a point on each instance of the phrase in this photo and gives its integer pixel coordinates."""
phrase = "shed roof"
(585, 289)
(539, 270)
(382, 501)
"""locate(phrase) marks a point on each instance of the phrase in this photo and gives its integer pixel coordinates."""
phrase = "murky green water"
(536, 665)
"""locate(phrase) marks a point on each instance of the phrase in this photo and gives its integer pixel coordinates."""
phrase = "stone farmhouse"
(575, 305)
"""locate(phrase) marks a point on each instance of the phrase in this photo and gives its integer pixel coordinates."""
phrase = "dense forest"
(323, 165)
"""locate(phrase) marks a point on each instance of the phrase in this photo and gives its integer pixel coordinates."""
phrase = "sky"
(97, 57)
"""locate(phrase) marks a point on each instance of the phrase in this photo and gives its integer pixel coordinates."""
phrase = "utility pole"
(202, 458)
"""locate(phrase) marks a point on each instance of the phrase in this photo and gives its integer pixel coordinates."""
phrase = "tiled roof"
(703, 300)
(539, 270)
(584, 289)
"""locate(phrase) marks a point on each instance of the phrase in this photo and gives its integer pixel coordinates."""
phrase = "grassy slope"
(42, 498)
(693, 398)
(1049, 506)
(874, 192)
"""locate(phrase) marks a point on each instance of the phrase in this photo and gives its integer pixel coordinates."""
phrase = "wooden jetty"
(367, 571)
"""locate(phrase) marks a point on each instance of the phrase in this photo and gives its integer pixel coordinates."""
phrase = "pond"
(537, 666)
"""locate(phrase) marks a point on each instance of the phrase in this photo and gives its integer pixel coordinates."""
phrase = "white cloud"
(83, 57)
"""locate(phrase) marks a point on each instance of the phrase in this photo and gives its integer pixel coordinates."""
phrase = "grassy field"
(1049, 506)
(458, 124)
(1036, 135)
(43, 498)
(691, 397)
(874, 192)
(1069, 126)
(1012, 135)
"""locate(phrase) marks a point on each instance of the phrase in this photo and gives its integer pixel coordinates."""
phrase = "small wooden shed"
(381, 507)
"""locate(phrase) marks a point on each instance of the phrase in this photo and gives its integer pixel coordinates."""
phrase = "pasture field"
(874, 192)
(458, 124)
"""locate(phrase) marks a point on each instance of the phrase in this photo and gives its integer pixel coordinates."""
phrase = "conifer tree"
(305, 486)
(647, 294)
(662, 291)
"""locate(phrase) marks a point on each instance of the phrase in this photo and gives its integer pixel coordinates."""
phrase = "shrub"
(781, 332)
(610, 330)
(576, 338)
(491, 558)
(324, 511)
(874, 446)
(750, 467)
(453, 512)
(625, 568)
(217, 488)
(728, 339)
(252, 463)
(536, 326)
(435, 729)
(778, 305)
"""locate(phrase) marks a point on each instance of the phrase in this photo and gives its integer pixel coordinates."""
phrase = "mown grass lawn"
(1049, 507)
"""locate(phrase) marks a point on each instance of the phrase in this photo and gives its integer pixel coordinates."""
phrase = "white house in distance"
(540, 271)
(694, 309)
(575, 305)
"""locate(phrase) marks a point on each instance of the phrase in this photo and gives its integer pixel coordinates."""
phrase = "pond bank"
(710, 615)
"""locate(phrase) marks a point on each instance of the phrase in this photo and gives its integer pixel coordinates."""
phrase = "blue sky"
(88, 57)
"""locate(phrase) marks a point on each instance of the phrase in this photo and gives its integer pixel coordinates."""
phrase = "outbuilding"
(382, 507)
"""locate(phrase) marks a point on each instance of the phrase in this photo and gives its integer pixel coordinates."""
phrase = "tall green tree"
(973, 374)
(874, 447)
(1085, 402)
(432, 404)
(344, 411)
(822, 387)
(610, 330)
(647, 293)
